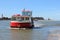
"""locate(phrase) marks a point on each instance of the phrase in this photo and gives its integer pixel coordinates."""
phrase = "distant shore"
(5, 18)
(34, 18)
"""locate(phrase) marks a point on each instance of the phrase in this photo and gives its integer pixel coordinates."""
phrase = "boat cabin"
(21, 18)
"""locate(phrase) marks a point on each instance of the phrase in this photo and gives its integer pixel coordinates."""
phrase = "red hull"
(20, 25)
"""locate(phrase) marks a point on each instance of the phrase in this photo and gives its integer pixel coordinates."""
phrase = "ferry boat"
(22, 21)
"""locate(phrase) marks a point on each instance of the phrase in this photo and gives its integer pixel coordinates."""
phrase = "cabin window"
(13, 18)
(19, 18)
(22, 18)
(27, 18)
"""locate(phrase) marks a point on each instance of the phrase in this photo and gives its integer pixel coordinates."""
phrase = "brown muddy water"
(13, 34)
(43, 33)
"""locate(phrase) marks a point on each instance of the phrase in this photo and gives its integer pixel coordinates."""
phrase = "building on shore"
(4, 18)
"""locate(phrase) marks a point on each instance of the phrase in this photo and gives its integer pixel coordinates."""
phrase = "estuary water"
(43, 30)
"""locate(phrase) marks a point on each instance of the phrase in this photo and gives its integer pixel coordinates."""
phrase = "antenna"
(24, 9)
